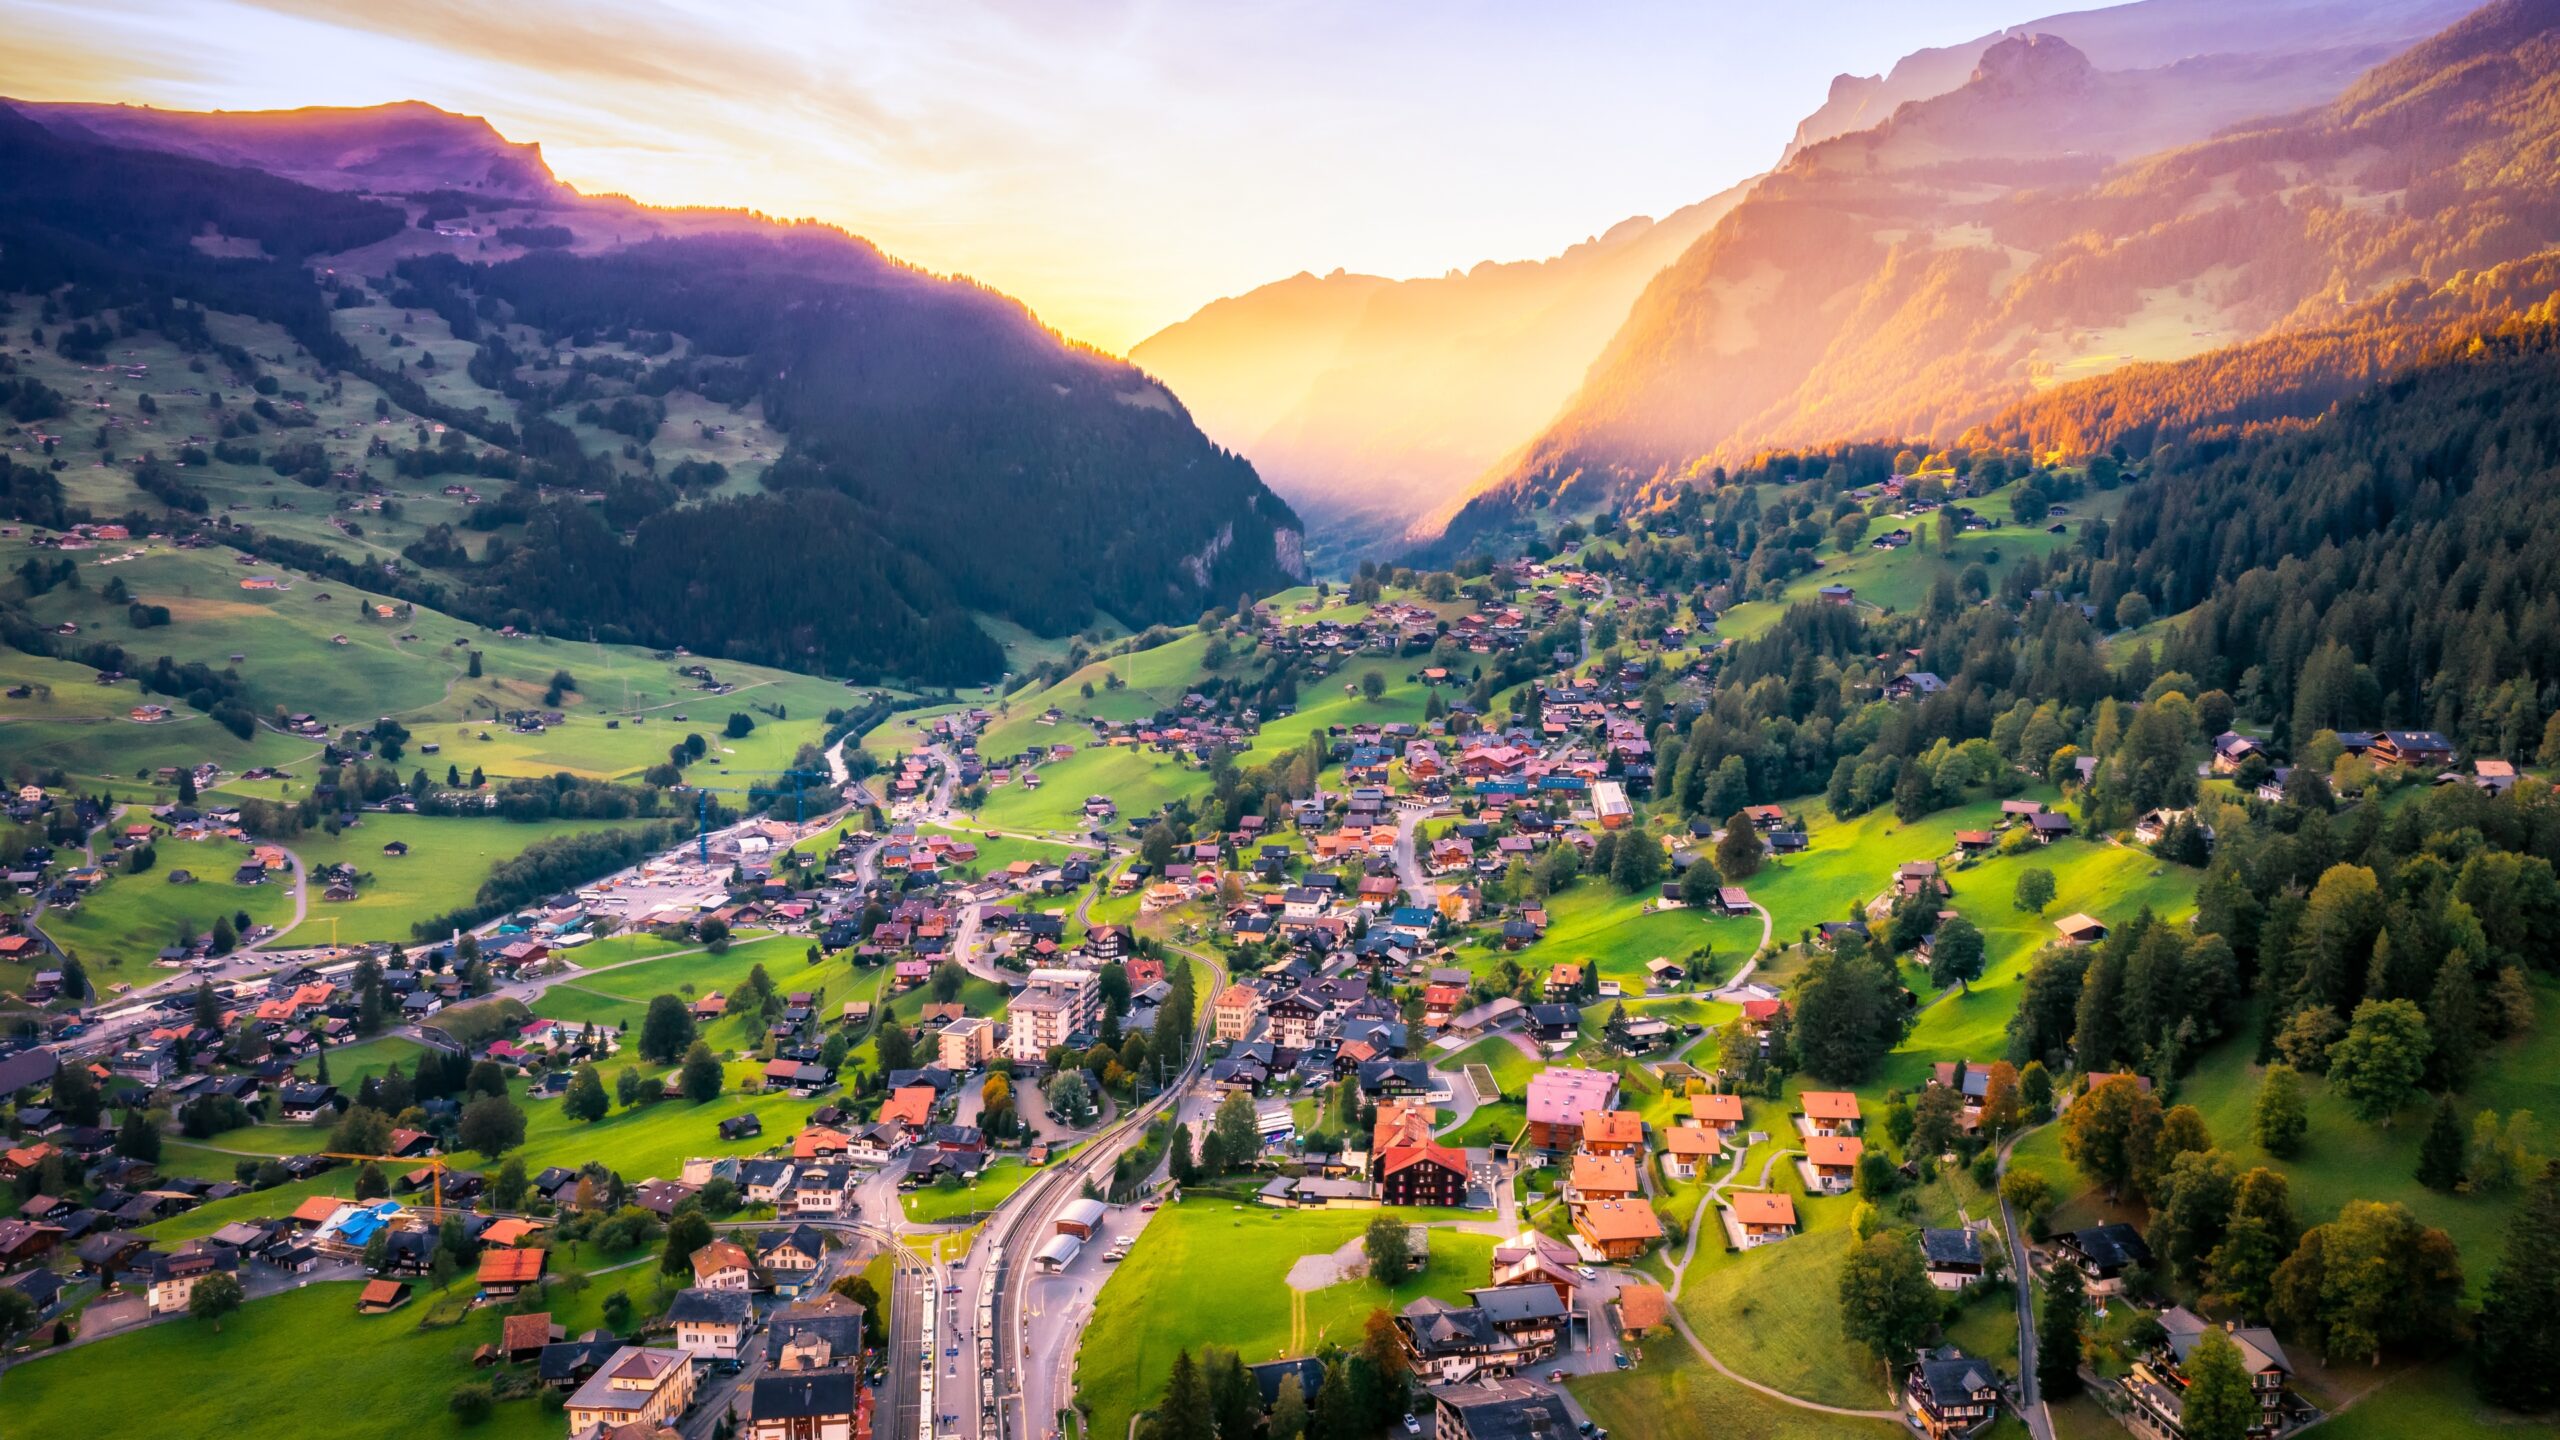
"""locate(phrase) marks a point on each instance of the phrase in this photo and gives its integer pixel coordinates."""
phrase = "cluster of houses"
(809, 1386)
(1301, 1022)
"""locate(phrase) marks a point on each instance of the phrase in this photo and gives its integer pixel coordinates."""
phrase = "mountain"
(1370, 401)
(942, 455)
(1924, 277)
(2146, 35)
(404, 147)
(1377, 405)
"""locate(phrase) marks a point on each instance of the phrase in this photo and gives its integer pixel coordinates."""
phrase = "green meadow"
(2344, 1158)
(448, 858)
(1155, 1305)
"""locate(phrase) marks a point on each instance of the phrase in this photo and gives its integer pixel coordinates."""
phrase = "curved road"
(1680, 1321)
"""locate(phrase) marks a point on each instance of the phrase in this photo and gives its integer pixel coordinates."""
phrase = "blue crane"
(793, 784)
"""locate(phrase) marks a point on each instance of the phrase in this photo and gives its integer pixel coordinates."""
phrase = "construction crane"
(794, 784)
(434, 1165)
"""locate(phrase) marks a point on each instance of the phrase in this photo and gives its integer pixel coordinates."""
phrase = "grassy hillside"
(332, 657)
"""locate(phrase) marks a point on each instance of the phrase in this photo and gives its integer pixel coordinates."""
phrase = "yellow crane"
(434, 1165)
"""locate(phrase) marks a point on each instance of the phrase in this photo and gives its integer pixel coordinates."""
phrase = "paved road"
(1410, 873)
(1034, 1362)
(2030, 1403)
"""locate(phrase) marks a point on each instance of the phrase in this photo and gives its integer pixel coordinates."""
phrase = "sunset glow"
(1115, 163)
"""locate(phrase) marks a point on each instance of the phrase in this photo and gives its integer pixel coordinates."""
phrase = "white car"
(1412, 1425)
(1586, 1272)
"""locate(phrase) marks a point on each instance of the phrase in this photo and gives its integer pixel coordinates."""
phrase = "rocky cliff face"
(2047, 221)
(2140, 36)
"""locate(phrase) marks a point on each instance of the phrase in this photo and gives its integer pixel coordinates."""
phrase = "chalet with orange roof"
(1613, 1132)
(821, 1142)
(1688, 1151)
(1830, 1164)
(910, 1106)
(1425, 1174)
(1439, 1002)
(723, 1265)
(505, 1271)
(510, 1231)
(1617, 1229)
(1720, 1113)
(1828, 1112)
(1758, 1217)
(1601, 1177)
(1399, 1123)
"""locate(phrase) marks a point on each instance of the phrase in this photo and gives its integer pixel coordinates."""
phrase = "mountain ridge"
(402, 145)
(943, 453)
(1940, 292)
(1382, 405)
(1336, 384)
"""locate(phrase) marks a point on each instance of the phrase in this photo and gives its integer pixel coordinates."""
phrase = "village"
(1461, 977)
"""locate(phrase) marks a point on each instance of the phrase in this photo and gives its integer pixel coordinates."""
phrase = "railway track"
(1000, 1297)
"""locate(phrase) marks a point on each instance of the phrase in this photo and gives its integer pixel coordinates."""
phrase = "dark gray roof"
(842, 1332)
(2111, 1246)
(1436, 1326)
(1951, 1376)
(809, 1395)
(1269, 1375)
(563, 1359)
(807, 1239)
(1951, 1247)
(25, 1069)
(711, 1307)
(1507, 1410)
(1514, 1304)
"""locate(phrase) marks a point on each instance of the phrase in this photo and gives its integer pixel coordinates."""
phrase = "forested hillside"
(941, 454)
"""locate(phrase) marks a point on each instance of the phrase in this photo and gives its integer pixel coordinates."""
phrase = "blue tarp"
(358, 1228)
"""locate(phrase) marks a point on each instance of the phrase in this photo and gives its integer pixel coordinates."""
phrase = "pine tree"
(1233, 1398)
(2442, 1153)
(1289, 1411)
(1184, 1413)
(1338, 1415)
(2058, 1336)
(2518, 1350)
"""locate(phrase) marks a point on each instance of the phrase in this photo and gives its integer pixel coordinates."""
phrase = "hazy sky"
(1116, 163)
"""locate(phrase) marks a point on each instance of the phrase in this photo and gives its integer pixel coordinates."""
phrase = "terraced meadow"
(1156, 679)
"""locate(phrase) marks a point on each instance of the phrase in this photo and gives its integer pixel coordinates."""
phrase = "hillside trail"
(1680, 1321)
